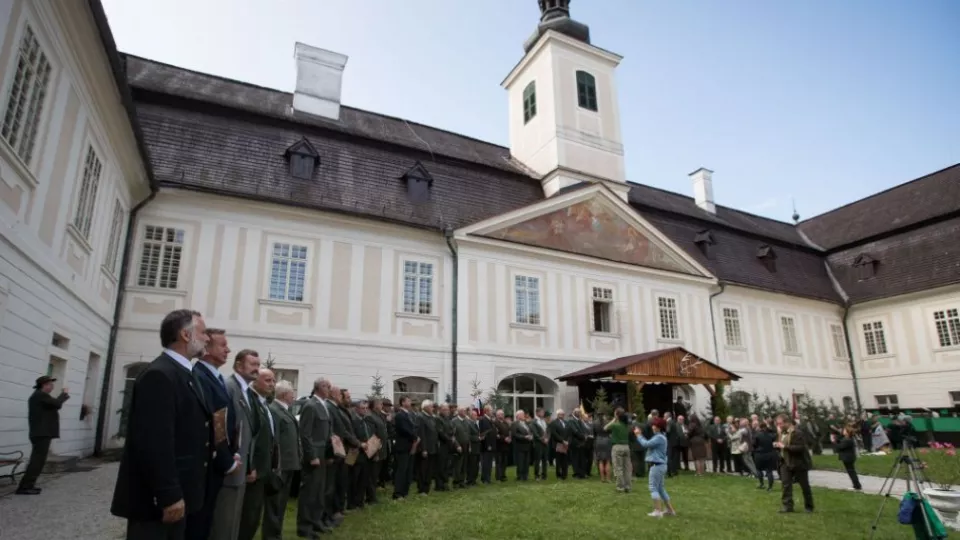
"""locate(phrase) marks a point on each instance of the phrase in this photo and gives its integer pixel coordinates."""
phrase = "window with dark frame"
(587, 91)
(887, 401)
(530, 102)
(602, 310)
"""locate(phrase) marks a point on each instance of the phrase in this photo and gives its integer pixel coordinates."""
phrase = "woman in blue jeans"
(656, 448)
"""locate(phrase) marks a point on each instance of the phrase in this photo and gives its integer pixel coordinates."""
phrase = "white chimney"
(319, 81)
(703, 189)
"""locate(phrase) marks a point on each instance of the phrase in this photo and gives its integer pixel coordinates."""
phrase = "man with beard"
(163, 469)
(377, 426)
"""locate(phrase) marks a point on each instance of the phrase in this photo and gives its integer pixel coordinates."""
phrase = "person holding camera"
(846, 449)
(656, 448)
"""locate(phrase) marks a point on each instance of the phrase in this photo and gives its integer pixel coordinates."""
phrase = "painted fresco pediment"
(594, 228)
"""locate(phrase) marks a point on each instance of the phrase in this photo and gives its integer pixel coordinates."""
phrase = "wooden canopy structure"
(675, 365)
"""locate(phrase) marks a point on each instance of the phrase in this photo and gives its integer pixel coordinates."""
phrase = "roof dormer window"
(703, 240)
(865, 266)
(768, 257)
(419, 182)
(586, 91)
(302, 159)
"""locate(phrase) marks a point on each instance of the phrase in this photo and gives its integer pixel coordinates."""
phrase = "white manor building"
(346, 243)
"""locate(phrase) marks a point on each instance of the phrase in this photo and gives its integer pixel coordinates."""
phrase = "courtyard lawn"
(715, 507)
(866, 465)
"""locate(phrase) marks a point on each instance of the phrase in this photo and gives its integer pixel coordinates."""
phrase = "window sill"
(17, 164)
(951, 348)
(108, 274)
(670, 341)
(157, 290)
(794, 354)
(419, 316)
(838, 359)
(878, 357)
(284, 303)
(739, 348)
(79, 239)
(613, 335)
(524, 326)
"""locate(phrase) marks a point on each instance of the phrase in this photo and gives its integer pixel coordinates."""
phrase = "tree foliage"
(497, 400)
(601, 404)
(636, 400)
(718, 403)
(376, 387)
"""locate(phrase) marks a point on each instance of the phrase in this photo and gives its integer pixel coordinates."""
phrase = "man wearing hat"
(44, 417)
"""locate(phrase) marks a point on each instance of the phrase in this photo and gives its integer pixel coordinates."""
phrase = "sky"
(815, 103)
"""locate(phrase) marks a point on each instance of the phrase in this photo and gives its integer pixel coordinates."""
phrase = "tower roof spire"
(555, 15)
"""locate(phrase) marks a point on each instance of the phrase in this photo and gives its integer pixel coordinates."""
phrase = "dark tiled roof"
(733, 258)
(915, 202)
(913, 261)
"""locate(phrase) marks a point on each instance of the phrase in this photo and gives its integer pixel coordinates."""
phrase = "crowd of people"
(209, 456)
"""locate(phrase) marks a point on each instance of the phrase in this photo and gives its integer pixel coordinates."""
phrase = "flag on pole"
(479, 405)
(793, 412)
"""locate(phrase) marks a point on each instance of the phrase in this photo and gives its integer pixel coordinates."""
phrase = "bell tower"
(564, 111)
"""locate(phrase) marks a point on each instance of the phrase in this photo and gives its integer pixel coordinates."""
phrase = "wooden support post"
(710, 389)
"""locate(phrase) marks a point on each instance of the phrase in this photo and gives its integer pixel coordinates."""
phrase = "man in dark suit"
(446, 446)
(405, 444)
(473, 457)
(559, 431)
(376, 426)
(541, 442)
(522, 437)
(263, 455)
(461, 436)
(343, 428)
(288, 442)
(43, 411)
(360, 470)
(386, 414)
(488, 446)
(429, 444)
(503, 445)
(224, 459)
(229, 506)
(315, 432)
(162, 473)
(578, 444)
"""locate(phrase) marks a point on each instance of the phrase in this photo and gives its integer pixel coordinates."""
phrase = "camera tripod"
(916, 480)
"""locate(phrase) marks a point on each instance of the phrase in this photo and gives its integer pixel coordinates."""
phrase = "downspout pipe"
(117, 310)
(853, 365)
(448, 236)
(713, 322)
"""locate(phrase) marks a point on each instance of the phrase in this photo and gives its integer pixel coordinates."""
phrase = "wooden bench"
(12, 460)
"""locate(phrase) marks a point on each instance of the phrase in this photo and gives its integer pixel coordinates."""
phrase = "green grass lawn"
(714, 507)
(867, 465)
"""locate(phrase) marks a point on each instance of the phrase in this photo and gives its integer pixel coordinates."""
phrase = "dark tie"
(222, 382)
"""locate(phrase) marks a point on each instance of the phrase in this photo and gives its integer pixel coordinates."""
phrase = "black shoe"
(786, 510)
(808, 510)
(760, 486)
(29, 491)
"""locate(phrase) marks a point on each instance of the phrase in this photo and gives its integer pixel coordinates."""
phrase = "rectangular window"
(874, 338)
(948, 327)
(527, 290)
(288, 272)
(418, 287)
(89, 183)
(112, 257)
(955, 398)
(21, 118)
(602, 309)
(789, 328)
(888, 401)
(529, 102)
(731, 326)
(669, 327)
(160, 260)
(839, 342)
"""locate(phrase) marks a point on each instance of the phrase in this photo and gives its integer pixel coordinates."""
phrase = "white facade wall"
(54, 277)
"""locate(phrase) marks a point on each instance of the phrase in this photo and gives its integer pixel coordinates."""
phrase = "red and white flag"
(793, 412)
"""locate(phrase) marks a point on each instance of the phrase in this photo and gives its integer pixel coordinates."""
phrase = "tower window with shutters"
(160, 258)
(603, 310)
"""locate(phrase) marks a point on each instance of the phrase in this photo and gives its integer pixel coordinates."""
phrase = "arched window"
(415, 388)
(529, 101)
(586, 91)
(130, 374)
(527, 392)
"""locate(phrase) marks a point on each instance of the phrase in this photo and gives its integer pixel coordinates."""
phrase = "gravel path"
(73, 505)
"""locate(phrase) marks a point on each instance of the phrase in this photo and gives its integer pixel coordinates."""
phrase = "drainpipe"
(115, 327)
(713, 323)
(448, 235)
(853, 366)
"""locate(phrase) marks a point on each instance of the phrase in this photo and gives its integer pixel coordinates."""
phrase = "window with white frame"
(527, 292)
(887, 401)
(955, 398)
(669, 325)
(418, 287)
(24, 107)
(874, 338)
(288, 272)
(602, 309)
(947, 322)
(839, 341)
(731, 327)
(112, 256)
(160, 259)
(788, 328)
(87, 199)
